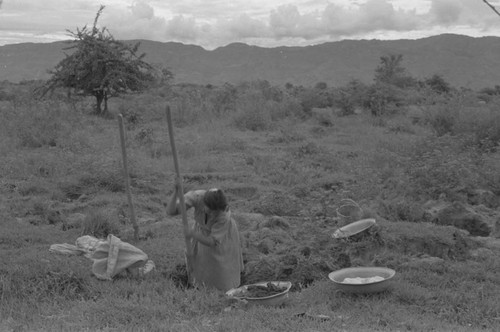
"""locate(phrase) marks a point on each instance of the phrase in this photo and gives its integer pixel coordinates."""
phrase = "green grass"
(272, 158)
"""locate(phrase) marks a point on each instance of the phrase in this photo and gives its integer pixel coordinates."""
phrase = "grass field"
(61, 177)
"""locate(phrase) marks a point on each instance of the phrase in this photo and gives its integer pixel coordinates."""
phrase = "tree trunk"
(99, 98)
(105, 103)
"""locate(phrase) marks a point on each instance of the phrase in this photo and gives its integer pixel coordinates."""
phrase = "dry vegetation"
(286, 165)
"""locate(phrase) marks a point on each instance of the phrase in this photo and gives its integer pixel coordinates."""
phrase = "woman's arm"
(190, 199)
(172, 205)
(209, 241)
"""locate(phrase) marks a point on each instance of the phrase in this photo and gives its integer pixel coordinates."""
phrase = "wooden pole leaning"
(127, 179)
(189, 249)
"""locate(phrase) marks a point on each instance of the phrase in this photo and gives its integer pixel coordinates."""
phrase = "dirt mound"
(303, 251)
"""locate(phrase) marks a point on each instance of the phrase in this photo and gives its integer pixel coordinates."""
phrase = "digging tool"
(180, 193)
(127, 179)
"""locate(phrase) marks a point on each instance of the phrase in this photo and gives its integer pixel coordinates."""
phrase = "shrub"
(287, 108)
(438, 84)
(252, 113)
(383, 99)
(312, 98)
(101, 223)
(222, 99)
(442, 118)
(482, 126)
(350, 97)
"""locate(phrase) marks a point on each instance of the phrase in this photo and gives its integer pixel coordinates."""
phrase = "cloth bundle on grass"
(110, 256)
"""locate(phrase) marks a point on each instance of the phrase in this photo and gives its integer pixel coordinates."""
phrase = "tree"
(438, 84)
(100, 66)
(382, 98)
(391, 71)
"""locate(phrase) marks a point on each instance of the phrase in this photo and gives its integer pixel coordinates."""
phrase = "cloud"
(339, 21)
(182, 27)
(204, 23)
(262, 22)
(284, 21)
(446, 12)
(240, 27)
(473, 14)
(142, 10)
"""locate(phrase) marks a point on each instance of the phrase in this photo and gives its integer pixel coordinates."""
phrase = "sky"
(265, 23)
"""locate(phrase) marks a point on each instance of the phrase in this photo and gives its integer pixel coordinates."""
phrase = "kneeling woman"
(217, 256)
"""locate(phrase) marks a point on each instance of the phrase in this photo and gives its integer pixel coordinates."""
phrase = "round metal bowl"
(338, 278)
(353, 228)
(272, 300)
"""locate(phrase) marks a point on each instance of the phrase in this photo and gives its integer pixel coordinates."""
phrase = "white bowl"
(272, 300)
(338, 278)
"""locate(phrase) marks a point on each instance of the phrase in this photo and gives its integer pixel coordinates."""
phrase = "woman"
(217, 256)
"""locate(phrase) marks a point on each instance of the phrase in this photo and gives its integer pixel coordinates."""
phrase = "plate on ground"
(353, 228)
(257, 293)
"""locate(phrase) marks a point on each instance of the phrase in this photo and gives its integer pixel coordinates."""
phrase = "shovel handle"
(180, 191)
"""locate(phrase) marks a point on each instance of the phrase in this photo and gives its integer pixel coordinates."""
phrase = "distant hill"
(463, 61)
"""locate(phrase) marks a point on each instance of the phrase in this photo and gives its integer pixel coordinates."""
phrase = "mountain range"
(462, 61)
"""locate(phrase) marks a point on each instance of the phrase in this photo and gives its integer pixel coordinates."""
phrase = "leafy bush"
(481, 126)
(442, 118)
(100, 223)
(288, 108)
(252, 113)
(383, 99)
(314, 98)
(438, 84)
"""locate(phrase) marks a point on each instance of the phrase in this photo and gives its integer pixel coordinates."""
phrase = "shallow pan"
(353, 228)
(364, 274)
(241, 293)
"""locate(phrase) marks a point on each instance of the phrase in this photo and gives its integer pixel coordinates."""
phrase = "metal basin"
(272, 300)
(363, 274)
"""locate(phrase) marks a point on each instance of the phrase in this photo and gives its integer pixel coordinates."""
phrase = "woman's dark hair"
(215, 200)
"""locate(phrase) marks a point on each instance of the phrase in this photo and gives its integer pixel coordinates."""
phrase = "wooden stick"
(492, 7)
(189, 253)
(127, 179)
